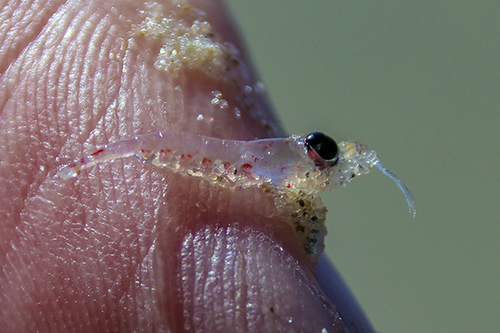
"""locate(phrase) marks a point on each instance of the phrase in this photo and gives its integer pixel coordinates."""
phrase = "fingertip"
(250, 281)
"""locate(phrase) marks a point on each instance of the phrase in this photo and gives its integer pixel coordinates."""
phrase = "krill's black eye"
(325, 148)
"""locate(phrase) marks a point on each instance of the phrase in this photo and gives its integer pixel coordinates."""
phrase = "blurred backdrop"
(419, 82)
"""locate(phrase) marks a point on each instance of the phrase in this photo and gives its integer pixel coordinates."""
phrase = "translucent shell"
(284, 163)
(292, 170)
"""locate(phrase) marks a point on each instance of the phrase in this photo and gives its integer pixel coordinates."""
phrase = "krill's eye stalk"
(322, 149)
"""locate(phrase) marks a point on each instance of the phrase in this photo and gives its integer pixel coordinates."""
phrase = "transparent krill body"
(306, 163)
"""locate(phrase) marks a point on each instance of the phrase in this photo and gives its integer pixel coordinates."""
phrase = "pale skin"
(126, 247)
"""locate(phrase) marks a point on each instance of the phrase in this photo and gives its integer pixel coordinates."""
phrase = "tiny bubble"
(204, 119)
(215, 101)
(289, 320)
(248, 89)
(205, 26)
(224, 104)
(178, 88)
(42, 168)
(237, 112)
(195, 26)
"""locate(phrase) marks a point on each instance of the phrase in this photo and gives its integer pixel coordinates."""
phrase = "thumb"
(128, 246)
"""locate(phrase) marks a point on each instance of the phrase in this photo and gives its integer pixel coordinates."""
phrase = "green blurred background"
(419, 82)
